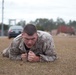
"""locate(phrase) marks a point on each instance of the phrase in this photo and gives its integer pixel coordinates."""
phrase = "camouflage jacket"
(44, 47)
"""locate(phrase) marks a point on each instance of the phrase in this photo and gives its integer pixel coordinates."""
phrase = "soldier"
(31, 45)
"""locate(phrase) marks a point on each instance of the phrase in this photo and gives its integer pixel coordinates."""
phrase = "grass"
(65, 65)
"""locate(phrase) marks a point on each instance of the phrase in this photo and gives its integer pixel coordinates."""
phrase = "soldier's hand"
(24, 57)
(32, 57)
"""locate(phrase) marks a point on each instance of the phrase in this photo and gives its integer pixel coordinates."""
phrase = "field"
(64, 65)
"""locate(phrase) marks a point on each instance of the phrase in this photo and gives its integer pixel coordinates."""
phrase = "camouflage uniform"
(44, 47)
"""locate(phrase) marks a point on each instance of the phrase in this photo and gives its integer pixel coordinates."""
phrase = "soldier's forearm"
(15, 57)
(47, 58)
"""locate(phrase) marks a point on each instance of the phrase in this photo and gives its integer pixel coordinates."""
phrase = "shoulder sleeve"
(48, 49)
(14, 52)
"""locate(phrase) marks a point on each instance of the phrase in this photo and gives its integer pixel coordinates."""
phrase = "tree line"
(45, 24)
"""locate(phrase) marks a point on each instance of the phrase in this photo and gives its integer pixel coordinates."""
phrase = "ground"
(64, 65)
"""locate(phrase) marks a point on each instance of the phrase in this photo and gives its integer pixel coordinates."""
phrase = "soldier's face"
(29, 40)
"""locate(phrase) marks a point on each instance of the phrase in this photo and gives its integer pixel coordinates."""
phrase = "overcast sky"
(32, 9)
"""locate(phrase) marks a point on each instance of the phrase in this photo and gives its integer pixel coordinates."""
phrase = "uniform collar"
(21, 45)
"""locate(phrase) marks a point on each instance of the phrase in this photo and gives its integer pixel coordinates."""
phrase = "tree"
(22, 23)
(60, 21)
(5, 28)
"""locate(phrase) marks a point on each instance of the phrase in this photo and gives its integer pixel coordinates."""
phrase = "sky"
(30, 10)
